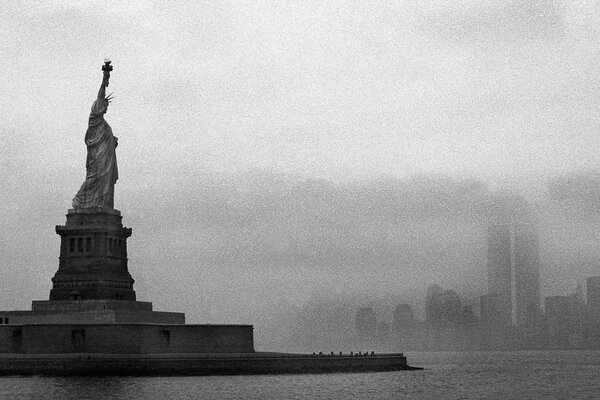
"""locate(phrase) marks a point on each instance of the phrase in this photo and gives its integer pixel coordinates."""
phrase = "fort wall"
(125, 338)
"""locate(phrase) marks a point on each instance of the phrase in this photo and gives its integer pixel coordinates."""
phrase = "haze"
(277, 154)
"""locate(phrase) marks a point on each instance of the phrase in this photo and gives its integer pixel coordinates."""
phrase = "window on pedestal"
(72, 245)
(80, 245)
(88, 244)
(75, 295)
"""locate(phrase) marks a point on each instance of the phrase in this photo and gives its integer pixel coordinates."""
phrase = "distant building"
(488, 309)
(592, 326)
(404, 319)
(448, 325)
(579, 311)
(578, 295)
(593, 297)
(513, 270)
(558, 310)
(442, 306)
(433, 304)
(468, 316)
(492, 332)
(366, 322)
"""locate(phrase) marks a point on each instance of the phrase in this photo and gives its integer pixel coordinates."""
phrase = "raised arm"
(102, 91)
(106, 68)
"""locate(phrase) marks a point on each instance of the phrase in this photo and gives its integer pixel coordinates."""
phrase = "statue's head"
(103, 107)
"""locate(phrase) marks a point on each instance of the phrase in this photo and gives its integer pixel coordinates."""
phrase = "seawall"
(196, 364)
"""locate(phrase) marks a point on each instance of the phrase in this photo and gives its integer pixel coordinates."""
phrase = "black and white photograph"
(300, 199)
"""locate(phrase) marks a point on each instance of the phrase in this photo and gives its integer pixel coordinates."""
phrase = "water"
(511, 375)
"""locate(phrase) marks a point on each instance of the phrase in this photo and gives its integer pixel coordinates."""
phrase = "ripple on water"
(507, 375)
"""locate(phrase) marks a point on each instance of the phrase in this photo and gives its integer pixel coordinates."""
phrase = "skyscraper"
(513, 270)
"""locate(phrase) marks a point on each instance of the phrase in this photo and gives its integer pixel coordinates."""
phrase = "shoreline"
(172, 364)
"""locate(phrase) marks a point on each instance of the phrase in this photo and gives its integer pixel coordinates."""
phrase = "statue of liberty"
(98, 190)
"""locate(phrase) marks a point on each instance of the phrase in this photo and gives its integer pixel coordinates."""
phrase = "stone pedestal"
(90, 312)
(93, 309)
(93, 257)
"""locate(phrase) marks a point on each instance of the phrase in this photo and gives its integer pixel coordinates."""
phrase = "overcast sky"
(272, 151)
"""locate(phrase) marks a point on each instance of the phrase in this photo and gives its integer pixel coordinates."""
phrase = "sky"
(276, 152)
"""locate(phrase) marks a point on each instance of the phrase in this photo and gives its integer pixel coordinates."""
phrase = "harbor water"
(483, 375)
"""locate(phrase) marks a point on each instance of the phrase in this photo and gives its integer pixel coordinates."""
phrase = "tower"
(513, 269)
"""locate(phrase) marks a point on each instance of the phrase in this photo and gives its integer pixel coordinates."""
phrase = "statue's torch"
(107, 68)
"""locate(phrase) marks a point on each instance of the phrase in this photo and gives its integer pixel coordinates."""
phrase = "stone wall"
(126, 339)
(207, 364)
(90, 312)
(91, 317)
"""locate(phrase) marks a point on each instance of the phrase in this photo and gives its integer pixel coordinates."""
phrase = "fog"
(278, 159)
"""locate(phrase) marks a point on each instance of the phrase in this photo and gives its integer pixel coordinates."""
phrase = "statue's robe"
(101, 165)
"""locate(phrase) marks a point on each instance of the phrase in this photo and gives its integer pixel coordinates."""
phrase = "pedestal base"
(91, 312)
(93, 257)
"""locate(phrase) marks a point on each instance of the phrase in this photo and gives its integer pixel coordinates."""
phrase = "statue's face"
(104, 106)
